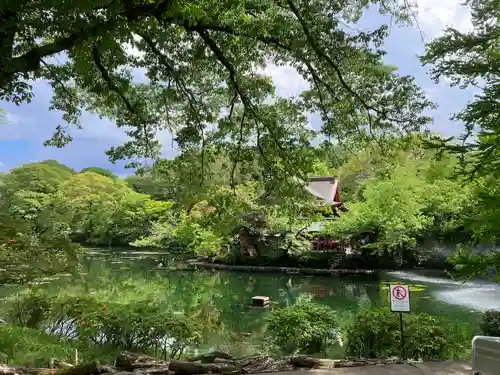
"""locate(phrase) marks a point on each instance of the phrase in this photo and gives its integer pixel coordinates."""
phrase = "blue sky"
(21, 139)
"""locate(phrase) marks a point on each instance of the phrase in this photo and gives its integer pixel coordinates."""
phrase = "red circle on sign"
(399, 292)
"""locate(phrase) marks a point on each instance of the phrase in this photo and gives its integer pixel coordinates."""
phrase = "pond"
(226, 296)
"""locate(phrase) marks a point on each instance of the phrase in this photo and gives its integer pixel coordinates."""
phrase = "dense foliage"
(202, 63)
(490, 324)
(471, 59)
(400, 196)
(403, 195)
(305, 326)
(121, 316)
(203, 81)
(32, 244)
(376, 334)
(235, 194)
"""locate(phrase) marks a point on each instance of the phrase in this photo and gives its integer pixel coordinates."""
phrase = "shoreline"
(270, 269)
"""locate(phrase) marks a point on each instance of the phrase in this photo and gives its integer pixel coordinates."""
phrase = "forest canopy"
(202, 61)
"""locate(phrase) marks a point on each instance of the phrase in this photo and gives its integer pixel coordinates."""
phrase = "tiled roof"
(325, 189)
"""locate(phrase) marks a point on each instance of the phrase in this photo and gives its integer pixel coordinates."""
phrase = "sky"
(29, 125)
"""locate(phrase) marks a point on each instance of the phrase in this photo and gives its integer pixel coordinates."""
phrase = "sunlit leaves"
(404, 196)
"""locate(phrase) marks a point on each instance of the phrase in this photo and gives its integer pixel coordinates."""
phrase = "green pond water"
(225, 297)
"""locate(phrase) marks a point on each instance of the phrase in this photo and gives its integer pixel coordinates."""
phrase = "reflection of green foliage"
(376, 334)
(304, 326)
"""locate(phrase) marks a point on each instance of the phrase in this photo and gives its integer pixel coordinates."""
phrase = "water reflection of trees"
(222, 300)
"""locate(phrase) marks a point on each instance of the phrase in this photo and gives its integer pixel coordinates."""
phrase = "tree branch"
(184, 90)
(232, 76)
(240, 140)
(96, 56)
(319, 51)
(30, 61)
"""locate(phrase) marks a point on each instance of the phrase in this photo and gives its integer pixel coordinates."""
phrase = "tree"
(56, 164)
(86, 202)
(99, 210)
(102, 171)
(202, 60)
(36, 177)
(472, 59)
(31, 244)
(403, 196)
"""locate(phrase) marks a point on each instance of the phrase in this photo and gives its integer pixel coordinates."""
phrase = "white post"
(486, 355)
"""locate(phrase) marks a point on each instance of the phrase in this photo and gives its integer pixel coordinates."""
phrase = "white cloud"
(287, 80)
(13, 118)
(435, 15)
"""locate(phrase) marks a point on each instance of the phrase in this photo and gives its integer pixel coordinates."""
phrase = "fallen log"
(133, 361)
(191, 368)
(305, 361)
(89, 368)
(211, 357)
(263, 364)
(6, 370)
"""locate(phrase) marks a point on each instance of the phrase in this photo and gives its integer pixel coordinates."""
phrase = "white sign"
(399, 296)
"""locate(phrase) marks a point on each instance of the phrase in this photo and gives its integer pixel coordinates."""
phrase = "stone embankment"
(272, 269)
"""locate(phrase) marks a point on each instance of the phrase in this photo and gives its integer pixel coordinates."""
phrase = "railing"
(486, 355)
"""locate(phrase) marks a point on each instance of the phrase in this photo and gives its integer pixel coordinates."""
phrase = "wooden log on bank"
(89, 368)
(190, 368)
(133, 361)
(305, 361)
(211, 357)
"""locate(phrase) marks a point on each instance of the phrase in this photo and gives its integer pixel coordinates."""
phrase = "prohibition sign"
(399, 292)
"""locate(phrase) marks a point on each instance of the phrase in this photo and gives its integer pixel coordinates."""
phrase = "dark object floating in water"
(260, 301)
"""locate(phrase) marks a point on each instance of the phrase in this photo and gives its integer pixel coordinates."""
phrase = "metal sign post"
(399, 296)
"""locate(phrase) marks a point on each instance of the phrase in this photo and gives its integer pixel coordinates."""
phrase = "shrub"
(490, 324)
(33, 348)
(304, 326)
(30, 347)
(376, 334)
(129, 325)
